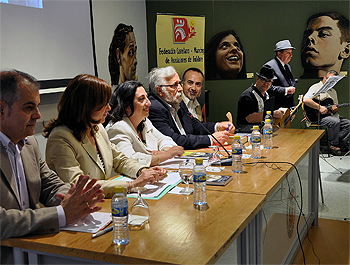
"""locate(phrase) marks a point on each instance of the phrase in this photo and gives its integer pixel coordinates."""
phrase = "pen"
(228, 127)
(102, 232)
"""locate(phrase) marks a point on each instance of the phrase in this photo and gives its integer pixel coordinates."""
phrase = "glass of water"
(185, 171)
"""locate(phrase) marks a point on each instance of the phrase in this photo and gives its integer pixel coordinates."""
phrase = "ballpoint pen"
(228, 127)
(102, 232)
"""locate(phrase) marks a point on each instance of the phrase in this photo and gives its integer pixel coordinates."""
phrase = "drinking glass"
(185, 171)
(139, 211)
(214, 158)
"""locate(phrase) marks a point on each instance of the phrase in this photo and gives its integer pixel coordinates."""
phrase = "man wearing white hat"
(284, 85)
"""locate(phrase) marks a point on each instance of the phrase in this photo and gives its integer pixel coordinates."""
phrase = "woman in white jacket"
(132, 132)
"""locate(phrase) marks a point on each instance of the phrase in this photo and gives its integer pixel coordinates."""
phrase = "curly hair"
(122, 99)
(118, 41)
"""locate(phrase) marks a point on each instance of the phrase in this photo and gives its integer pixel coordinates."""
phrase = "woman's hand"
(150, 175)
(175, 151)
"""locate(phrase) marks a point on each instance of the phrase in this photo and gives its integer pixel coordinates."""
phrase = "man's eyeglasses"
(174, 86)
(264, 80)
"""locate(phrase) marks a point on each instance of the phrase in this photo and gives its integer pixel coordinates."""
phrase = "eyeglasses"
(264, 80)
(174, 86)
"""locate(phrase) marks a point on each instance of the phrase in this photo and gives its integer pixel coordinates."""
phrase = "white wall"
(50, 43)
(107, 15)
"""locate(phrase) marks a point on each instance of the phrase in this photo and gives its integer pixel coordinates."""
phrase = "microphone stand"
(224, 161)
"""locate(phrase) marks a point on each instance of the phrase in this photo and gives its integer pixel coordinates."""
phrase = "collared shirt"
(193, 106)
(283, 65)
(176, 119)
(14, 154)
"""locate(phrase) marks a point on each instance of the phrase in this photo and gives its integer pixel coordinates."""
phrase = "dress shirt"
(176, 118)
(193, 106)
(284, 67)
(13, 151)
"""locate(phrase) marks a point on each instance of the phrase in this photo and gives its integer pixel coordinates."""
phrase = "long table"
(180, 234)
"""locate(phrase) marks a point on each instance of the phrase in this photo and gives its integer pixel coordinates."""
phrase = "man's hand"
(323, 110)
(222, 126)
(334, 109)
(290, 90)
(221, 136)
(81, 199)
(278, 114)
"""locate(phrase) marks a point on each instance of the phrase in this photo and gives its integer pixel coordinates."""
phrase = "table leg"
(314, 174)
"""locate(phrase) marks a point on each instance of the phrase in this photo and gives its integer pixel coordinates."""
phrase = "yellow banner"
(180, 41)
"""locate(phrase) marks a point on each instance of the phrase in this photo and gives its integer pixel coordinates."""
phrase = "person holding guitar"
(327, 116)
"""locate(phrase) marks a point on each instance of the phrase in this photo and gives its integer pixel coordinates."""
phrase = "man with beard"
(171, 117)
(192, 83)
(326, 44)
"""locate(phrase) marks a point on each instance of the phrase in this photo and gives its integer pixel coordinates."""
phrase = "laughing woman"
(78, 144)
(224, 57)
(131, 130)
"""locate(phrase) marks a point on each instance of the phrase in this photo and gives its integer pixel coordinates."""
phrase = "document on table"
(174, 163)
(91, 223)
(158, 189)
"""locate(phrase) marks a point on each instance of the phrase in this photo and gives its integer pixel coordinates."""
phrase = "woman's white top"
(125, 137)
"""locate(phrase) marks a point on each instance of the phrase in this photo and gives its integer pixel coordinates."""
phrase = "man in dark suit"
(169, 114)
(26, 182)
(284, 85)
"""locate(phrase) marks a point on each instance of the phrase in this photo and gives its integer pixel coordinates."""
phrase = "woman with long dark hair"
(78, 144)
(224, 57)
(132, 132)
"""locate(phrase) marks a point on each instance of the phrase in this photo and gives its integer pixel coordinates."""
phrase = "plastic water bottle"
(255, 141)
(268, 134)
(199, 178)
(237, 148)
(268, 116)
(119, 204)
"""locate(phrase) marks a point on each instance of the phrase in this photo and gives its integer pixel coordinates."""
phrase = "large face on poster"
(326, 44)
(224, 57)
(180, 41)
(122, 59)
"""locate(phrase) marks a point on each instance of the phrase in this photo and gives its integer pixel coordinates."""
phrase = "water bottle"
(255, 141)
(237, 148)
(119, 204)
(268, 116)
(268, 134)
(199, 178)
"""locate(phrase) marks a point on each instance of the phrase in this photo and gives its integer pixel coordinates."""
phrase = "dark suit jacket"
(278, 86)
(43, 185)
(196, 136)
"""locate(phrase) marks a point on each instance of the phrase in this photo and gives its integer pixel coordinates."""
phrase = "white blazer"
(125, 137)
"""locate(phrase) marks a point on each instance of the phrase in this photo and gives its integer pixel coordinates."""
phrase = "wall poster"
(180, 41)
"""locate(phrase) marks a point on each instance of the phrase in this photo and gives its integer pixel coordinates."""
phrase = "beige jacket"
(71, 158)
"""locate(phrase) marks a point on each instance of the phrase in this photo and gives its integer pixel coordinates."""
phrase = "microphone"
(224, 161)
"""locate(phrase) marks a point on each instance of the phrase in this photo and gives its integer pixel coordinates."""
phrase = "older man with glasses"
(170, 115)
(251, 102)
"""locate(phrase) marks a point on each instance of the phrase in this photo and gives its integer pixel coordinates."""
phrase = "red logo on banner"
(183, 32)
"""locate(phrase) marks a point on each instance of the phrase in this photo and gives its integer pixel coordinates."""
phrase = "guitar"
(285, 121)
(312, 114)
